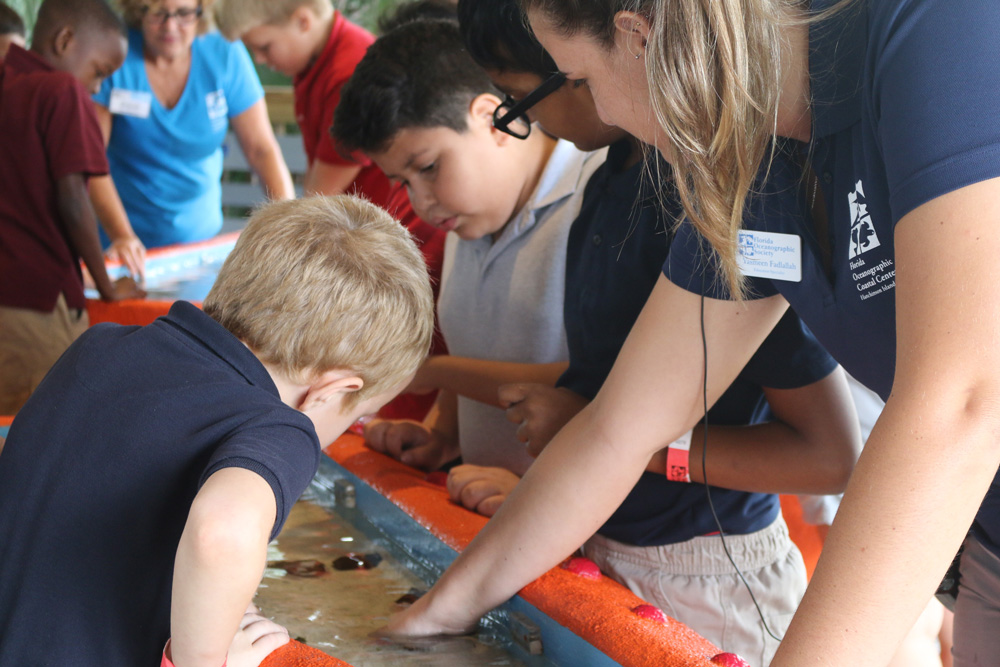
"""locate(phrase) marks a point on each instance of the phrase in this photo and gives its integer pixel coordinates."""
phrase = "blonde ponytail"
(714, 71)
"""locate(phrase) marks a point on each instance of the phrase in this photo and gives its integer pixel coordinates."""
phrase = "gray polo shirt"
(502, 300)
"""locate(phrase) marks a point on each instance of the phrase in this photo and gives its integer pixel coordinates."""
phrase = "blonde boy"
(140, 485)
(310, 42)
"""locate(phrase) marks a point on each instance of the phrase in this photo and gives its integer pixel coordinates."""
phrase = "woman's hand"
(130, 251)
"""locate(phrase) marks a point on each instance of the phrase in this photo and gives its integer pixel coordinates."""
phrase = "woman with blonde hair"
(871, 117)
(165, 114)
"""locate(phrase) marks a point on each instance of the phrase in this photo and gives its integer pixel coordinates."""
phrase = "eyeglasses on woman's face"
(510, 110)
(183, 16)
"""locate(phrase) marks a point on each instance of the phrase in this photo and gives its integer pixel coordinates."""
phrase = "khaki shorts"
(30, 342)
(695, 583)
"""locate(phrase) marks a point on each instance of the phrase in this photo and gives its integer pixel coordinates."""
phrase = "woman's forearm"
(565, 497)
(907, 508)
(108, 206)
(256, 137)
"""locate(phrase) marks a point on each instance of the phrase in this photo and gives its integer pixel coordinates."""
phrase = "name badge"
(135, 103)
(770, 255)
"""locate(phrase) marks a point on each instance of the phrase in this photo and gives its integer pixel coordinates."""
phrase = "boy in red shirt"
(318, 48)
(50, 144)
(310, 42)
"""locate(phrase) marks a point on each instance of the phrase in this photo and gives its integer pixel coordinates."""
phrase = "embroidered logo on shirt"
(863, 236)
(880, 277)
(218, 109)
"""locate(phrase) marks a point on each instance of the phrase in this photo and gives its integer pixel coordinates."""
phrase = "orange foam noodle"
(599, 611)
(129, 311)
(297, 654)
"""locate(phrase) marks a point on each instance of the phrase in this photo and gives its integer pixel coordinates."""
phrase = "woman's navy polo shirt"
(905, 94)
(616, 248)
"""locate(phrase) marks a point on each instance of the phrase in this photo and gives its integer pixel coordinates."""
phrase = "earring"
(637, 56)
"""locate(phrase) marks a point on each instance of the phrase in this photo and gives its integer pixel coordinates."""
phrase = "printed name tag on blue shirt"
(770, 255)
(130, 102)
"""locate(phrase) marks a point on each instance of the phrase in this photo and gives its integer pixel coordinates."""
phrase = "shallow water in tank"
(337, 611)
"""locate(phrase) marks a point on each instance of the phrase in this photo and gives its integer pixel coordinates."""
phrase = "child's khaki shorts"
(695, 583)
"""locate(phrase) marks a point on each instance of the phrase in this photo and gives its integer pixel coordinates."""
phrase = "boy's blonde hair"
(325, 283)
(133, 11)
(235, 17)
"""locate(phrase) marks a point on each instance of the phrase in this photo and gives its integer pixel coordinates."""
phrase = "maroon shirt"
(48, 130)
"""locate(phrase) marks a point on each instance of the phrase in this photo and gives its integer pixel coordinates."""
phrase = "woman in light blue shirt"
(166, 113)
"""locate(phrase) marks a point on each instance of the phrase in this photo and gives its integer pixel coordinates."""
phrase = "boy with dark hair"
(11, 29)
(50, 144)
(422, 109)
(141, 484)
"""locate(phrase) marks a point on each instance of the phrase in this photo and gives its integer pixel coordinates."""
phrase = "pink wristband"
(165, 661)
(678, 454)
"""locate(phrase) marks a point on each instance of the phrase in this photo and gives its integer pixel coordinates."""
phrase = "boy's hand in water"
(257, 638)
(410, 442)
(481, 489)
(539, 410)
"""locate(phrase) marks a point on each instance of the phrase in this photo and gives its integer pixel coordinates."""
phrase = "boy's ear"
(330, 386)
(481, 113)
(303, 18)
(62, 39)
(633, 29)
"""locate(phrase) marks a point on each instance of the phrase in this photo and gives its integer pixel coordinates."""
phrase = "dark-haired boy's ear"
(481, 112)
(329, 386)
(62, 39)
(633, 30)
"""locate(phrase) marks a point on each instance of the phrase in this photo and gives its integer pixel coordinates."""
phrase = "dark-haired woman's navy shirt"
(905, 98)
(616, 248)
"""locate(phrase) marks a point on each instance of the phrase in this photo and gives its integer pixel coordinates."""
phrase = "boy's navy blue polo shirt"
(616, 248)
(904, 99)
(99, 472)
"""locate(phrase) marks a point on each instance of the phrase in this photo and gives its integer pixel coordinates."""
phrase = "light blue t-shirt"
(167, 163)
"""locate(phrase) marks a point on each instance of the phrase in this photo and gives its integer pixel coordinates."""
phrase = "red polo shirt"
(48, 130)
(317, 93)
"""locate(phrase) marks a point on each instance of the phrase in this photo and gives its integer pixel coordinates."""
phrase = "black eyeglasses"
(509, 110)
(184, 16)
